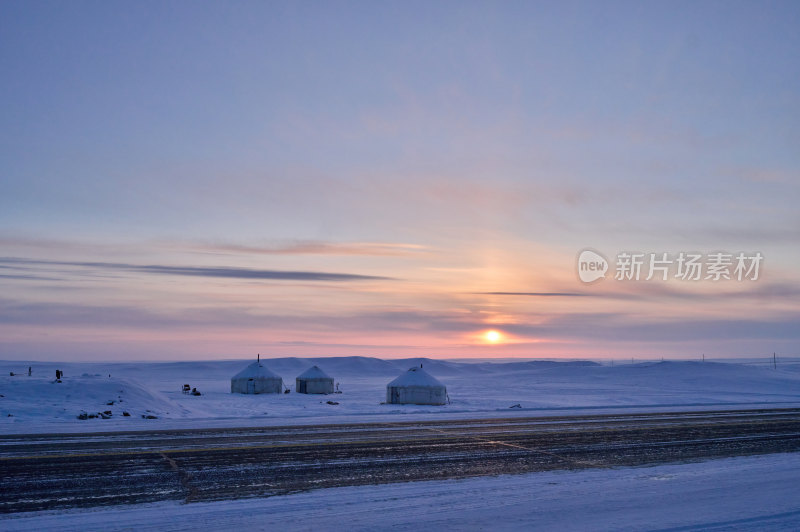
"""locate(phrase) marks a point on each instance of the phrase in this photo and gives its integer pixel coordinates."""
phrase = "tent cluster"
(256, 378)
(416, 386)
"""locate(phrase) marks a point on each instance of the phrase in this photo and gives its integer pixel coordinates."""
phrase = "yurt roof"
(314, 373)
(416, 377)
(256, 370)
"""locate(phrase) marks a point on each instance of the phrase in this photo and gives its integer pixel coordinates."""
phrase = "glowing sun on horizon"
(493, 337)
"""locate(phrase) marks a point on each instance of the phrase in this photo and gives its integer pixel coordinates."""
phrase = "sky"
(207, 180)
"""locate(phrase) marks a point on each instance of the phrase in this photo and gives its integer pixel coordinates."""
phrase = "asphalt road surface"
(43, 472)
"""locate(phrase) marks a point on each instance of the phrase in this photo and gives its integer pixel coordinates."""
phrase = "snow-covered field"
(38, 404)
(749, 493)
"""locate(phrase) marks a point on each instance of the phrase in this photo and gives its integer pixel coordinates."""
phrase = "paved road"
(40, 472)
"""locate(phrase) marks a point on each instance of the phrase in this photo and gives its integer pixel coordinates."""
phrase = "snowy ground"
(750, 493)
(37, 404)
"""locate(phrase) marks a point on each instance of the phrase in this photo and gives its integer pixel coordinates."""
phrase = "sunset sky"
(198, 180)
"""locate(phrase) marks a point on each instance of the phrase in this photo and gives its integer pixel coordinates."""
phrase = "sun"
(493, 337)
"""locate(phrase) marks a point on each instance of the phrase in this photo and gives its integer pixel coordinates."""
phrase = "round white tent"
(314, 380)
(256, 378)
(416, 386)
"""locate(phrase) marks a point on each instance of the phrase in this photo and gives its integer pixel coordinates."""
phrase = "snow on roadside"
(745, 493)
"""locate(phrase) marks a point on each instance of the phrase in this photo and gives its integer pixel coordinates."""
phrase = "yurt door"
(251, 386)
(303, 388)
(395, 395)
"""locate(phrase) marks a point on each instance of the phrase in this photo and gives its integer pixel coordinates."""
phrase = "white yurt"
(256, 378)
(416, 386)
(314, 380)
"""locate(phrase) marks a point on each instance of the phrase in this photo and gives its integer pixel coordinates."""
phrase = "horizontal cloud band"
(194, 271)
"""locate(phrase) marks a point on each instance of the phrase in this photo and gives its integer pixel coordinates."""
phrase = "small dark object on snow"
(287, 390)
(186, 388)
(516, 406)
(105, 415)
(109, 403)
(126, 414)
(10, 373)
(92, 416)
(149, 416)
(333, 402)
(107, 412)
(11, 415)
(195, 392)
(83, 415)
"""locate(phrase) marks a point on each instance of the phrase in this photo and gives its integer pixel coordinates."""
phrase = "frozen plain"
(37, 404)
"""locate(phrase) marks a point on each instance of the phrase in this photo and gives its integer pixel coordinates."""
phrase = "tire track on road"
(581, 463)
(184, 476)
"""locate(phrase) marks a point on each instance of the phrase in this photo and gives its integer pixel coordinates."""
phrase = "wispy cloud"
(310, 247)
(275, 247)
(195, 271)
(54, 314)
(23, 277)
(537, 294)
(658, 291)
(351, 345)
